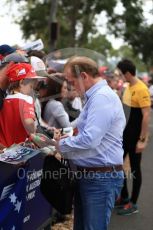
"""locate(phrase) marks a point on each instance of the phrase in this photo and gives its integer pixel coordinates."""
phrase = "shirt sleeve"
(96, 125)
(60, 115)
(144, 98)
(28, 110)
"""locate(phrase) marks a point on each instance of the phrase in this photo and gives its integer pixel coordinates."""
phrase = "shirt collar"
(94, 88)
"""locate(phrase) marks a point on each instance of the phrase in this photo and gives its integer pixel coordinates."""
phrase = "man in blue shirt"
(97, 149)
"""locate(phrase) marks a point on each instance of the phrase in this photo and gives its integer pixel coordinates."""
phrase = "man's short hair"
(127, 65)
(79, 64)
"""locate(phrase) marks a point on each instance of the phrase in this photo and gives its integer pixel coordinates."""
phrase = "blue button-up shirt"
(100, 130)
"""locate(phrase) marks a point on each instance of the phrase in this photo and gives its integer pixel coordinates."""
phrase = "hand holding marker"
(48, 145)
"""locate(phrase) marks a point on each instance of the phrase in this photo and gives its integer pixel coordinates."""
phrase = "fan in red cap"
(20, 71)
(17, 117)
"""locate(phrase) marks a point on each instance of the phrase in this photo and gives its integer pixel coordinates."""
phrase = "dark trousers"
(136, 176)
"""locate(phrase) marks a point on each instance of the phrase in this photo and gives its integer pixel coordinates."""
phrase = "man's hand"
(141, 146)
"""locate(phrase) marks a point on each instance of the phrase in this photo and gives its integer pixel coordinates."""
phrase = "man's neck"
(93, 82)
(133, 81)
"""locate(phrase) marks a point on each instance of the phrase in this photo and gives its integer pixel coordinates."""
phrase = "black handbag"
(58, 184)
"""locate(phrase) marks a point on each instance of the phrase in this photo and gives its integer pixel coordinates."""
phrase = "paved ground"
(144, 219)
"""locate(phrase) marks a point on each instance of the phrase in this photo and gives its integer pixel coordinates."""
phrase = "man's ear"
(127, 74)
(84, 75)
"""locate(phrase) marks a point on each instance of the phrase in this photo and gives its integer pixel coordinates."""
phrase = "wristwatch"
(142, 139)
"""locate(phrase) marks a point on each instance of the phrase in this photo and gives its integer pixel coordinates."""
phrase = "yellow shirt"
(137, 96)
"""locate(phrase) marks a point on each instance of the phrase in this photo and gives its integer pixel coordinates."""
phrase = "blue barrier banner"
(12, 202)
(37, 209)
(22, 205)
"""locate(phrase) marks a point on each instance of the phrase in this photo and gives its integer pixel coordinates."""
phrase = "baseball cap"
(19, 71)
(16, 58)
(6, 49)
(39, 66)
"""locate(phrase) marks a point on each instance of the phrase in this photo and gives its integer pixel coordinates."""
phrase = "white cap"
(39, 66)
(36, 45)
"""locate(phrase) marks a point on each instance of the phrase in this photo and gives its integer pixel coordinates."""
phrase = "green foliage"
(76, 14)
(125, 25)
(142, 43)
(99, 44)
(34, 21)
(76, 20)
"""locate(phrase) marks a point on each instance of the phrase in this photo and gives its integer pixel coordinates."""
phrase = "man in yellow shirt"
(136, 103)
